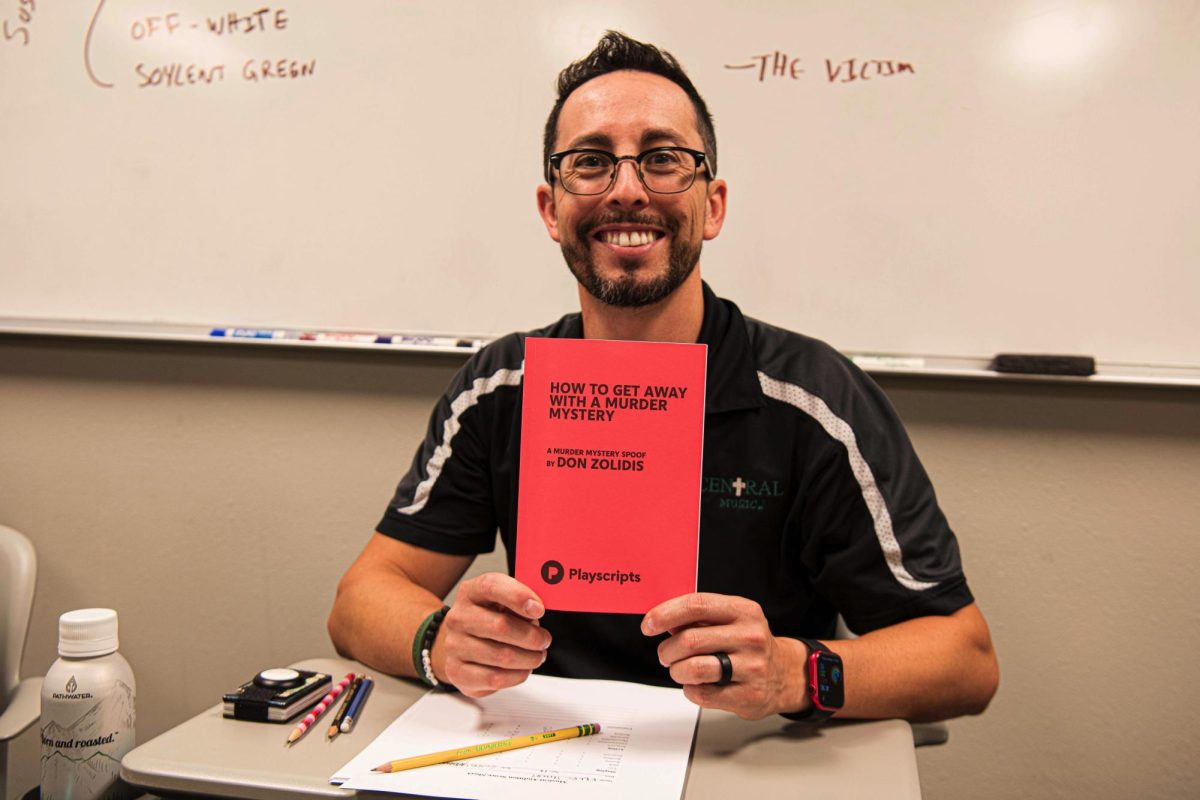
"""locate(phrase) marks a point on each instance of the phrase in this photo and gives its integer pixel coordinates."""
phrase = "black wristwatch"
(825, 683)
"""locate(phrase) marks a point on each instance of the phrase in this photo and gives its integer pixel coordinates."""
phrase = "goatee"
(627, 291)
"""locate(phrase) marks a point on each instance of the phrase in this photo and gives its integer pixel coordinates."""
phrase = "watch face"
(830, 686)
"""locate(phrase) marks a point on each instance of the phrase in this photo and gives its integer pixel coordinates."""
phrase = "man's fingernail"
(648, 627)
(533, 608)
(543, 661)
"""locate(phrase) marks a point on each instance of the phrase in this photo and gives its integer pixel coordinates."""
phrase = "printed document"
(641, 751)
(612, 440)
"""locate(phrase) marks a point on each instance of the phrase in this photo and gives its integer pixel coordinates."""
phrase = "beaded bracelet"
(423, 645)
(418, 639)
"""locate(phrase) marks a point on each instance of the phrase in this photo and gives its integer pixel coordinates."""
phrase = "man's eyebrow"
(598, 140)
(662, 135)
(649, 138)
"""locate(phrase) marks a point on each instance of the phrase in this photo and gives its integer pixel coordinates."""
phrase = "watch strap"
(812, 713)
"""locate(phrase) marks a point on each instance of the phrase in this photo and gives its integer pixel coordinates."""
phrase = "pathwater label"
(85, 732)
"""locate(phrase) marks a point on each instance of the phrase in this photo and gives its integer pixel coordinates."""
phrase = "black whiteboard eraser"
(1043, 364)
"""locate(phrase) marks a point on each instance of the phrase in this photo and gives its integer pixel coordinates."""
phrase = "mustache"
(586, 227)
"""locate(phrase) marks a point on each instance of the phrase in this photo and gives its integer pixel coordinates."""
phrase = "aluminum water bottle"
(87, 710)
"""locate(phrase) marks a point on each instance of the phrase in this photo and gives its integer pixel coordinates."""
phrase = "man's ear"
(714, 209)
(548, 210)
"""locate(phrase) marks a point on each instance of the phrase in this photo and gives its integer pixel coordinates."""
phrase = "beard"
(627, 291)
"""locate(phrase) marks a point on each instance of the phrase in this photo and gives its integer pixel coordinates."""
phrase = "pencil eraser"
(1043, 364)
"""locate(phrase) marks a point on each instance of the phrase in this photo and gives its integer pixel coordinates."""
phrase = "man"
(843, 520)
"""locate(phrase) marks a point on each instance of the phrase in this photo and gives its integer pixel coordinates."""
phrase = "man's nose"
(627, 188)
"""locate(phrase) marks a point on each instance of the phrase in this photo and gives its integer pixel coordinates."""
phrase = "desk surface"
(769, 758)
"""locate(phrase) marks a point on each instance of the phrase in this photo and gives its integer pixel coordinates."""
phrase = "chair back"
(18, 576)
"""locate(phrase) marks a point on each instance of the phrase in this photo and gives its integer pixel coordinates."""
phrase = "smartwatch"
(826, 683)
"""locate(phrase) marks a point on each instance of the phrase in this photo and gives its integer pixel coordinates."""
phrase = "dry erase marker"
(248, 333)
(487, 749)
(336, 336)
(890, 362)
(426, 341)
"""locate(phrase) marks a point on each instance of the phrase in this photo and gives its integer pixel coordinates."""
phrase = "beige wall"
(213, 495)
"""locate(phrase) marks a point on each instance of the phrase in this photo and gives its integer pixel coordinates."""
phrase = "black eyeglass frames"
(662, 170)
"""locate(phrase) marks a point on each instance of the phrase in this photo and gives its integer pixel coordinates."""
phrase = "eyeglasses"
(662, 170)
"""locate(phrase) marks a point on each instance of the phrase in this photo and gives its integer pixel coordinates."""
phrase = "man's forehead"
(627, 104)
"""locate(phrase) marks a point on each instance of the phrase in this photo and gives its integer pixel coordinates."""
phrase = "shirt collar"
(731, 383)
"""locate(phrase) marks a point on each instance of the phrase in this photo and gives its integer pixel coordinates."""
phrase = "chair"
(20, 700)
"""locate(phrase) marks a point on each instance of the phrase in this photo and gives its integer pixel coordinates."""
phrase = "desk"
(733, 758)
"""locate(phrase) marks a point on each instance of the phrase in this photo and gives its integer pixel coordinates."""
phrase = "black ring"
(726, 669)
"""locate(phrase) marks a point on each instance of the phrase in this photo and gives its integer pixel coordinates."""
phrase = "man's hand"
(490, 639)
(768, 672)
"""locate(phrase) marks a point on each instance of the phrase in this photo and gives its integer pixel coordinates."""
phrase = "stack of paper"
(641, 751)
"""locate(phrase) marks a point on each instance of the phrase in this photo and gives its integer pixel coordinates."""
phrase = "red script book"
(612, 437)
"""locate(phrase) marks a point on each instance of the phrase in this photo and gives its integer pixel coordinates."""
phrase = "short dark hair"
(616, 52)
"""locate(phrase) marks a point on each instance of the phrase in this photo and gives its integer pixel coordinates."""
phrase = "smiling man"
(813, 501)
(625, 248)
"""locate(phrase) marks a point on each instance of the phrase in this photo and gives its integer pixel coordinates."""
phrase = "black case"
(261, 704)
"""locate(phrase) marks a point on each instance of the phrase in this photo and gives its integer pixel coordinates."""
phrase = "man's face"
(630, 246)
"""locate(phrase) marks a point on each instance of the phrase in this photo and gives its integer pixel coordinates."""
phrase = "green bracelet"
(418, 640)
(430, 633)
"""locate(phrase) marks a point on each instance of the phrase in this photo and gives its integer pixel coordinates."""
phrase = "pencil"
(307, 722)
(360, 699)
(487, 749)
(345, 706)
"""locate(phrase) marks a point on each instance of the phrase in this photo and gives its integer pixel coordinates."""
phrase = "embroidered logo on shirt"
(741, 493)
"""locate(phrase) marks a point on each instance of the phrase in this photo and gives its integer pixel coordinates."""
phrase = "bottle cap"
(87, 632)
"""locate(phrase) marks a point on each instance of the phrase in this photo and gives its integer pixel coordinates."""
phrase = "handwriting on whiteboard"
(171, 29)
(778, 65)
(19, 31)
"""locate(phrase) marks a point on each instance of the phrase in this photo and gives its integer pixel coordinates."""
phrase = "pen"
(345, 707)
(313, 715)
(248, 333)
(490, 747)
(360, 700)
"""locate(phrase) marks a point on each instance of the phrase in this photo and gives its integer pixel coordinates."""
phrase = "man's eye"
(664, 159)
(663, 162)
(590, 162)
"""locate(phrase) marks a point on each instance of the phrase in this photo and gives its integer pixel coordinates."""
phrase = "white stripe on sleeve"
(840, 430)
(466, 399)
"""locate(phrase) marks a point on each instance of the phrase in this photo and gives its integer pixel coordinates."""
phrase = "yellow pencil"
(487, 749)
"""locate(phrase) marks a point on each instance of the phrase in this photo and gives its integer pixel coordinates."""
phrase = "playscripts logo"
(553, 572)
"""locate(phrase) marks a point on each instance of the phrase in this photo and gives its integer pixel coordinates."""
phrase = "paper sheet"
(641, 751)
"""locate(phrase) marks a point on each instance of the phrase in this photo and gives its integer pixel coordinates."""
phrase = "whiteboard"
(982, 177)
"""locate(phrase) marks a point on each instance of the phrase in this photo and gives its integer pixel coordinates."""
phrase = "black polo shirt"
(813, 502)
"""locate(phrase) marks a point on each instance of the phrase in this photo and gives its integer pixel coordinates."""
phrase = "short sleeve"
(444, 502)
(876, 543)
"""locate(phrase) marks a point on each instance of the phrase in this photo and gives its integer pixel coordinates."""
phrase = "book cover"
(612, 439)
